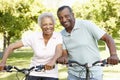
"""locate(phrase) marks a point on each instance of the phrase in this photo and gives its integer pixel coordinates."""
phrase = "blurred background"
(18, 18)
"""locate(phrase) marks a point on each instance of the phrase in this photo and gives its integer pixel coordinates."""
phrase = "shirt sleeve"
(26, 40)
(95, 30)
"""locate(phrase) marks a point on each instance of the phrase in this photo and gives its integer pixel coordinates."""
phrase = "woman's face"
(47, 26)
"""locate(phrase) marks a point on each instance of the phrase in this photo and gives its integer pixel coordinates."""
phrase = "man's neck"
(69, 29)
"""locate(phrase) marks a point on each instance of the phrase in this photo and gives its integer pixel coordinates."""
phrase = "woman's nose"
(48, 26)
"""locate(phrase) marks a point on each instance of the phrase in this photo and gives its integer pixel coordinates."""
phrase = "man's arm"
(113, 59)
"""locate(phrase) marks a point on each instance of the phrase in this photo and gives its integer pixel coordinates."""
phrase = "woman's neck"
(46, 38)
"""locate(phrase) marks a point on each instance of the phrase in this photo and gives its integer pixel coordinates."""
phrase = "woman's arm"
(9, 50)
(52, 62)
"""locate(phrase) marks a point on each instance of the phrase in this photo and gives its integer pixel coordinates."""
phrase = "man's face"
(66, 18)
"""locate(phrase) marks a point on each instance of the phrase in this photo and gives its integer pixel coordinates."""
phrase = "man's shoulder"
(63, 31)
(82, 21)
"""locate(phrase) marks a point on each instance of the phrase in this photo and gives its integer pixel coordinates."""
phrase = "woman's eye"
(51, 24)
(44, 24)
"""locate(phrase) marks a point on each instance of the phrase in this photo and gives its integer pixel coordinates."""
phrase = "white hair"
(47, 14)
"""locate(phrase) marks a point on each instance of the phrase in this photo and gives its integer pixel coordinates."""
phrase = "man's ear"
(73, 14)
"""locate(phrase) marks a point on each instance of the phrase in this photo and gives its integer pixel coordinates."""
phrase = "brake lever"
(39, 68)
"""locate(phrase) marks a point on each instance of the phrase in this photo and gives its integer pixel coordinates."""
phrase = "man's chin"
(66, 26)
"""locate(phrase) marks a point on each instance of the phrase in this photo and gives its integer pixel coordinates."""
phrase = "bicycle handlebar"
(25, 71)
(38, 68)
(72, 63)
(102, 63)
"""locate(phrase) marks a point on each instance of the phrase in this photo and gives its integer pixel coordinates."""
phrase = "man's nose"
(64, 19)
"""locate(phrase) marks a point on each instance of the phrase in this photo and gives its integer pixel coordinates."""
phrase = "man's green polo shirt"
(82, 44)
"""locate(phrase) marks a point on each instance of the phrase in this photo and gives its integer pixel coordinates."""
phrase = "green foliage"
(17, 17)
(14, 19)
(105, 13)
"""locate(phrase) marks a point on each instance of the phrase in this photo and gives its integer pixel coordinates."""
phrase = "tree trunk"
(4, 43)
(8, 40)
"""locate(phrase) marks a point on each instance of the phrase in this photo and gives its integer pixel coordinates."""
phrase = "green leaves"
(105, 13)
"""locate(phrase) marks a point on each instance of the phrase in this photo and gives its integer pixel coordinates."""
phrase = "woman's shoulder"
(34, 34)
(56, 33)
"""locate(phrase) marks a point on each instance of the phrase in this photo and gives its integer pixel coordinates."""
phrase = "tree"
(17, 17)
(14, 19)
(103, 12)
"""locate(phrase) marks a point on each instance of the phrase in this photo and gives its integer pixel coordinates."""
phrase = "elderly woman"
(46, 45)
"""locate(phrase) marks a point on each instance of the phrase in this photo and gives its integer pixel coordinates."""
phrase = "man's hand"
(113, 59)
(62, 60)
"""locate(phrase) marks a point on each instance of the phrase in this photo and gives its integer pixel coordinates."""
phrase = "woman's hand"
(50, 65)
(2, 66)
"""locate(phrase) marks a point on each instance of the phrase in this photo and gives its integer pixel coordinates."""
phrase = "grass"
(21, 58)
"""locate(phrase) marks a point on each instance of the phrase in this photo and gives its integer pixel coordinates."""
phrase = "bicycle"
(25, 71)
(72, 63)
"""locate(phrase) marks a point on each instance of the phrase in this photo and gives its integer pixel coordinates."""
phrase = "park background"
(18, 18)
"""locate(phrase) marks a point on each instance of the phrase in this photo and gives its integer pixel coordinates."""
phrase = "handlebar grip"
(39, 68)
(8, 68)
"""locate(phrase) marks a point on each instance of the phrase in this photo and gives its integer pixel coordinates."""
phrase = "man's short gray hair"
(43, 15)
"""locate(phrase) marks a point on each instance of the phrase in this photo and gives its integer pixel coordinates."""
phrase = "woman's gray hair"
(47, 14)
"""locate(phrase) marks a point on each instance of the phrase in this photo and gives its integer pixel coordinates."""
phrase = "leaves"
(105, 13)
